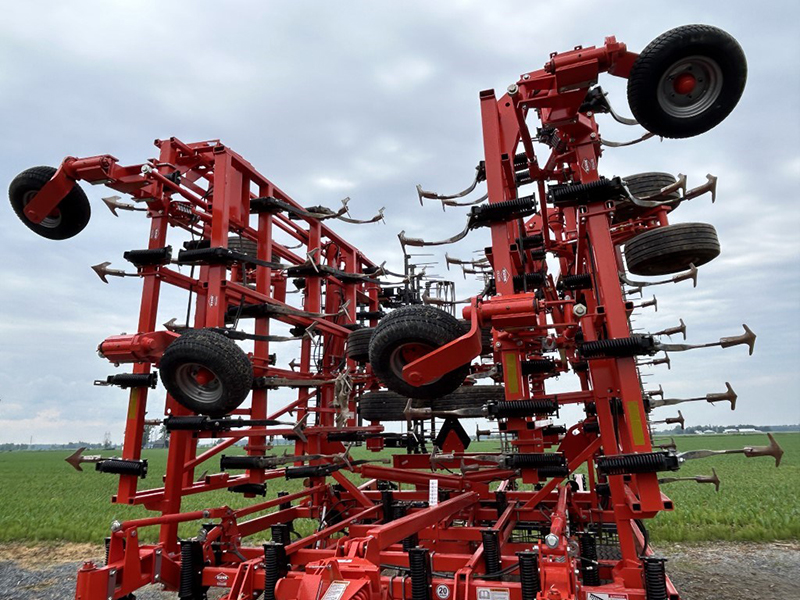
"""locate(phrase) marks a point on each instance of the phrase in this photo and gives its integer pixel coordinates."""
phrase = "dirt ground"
(716, 571)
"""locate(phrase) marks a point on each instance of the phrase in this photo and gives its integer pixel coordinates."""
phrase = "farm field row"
(42, 498)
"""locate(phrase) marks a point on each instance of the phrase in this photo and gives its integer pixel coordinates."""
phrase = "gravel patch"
(712, 571)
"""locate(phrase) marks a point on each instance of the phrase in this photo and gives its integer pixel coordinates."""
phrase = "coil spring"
(535, 460)
(186, 587)
(581, 193)
(525, 408)
(655, 578)
(410, 542)
(537, 365)
(506, 210)
(581, 281)
(549, 472)
(644, 462)
(280, 533)
(529, 575)
(591, 575)
(529, 280)
(274, 567)
(491, 553)
(620, 347)
(531, 241)
(119, 466)
(107, 543)
(419, 565)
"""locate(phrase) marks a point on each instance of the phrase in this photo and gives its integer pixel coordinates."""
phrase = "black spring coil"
(274, 567)
(581, 193)
(502, 211)
(410, 542)
(419, 562)
(620, 347)
(589, 570)
(186, 587)
(644, 462)
(537, 365)
(549, 472)
(118, 466)
(491, 553)
(529, 280)
(529, 575)
(280, 533)
(107, 542)
(531, 241)
(581, 281)
(525, 408)
(655, 578)
(535, 460)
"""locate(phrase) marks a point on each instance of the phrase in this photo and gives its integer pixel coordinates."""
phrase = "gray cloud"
(366, 100)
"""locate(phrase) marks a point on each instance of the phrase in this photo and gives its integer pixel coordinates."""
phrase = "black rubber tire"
(246, 246)
(385, 405)
(74, 210)
(642, 185)
(417, 324)
(704, 43)
(672, 249)
(229, 364)
(243, 245)
(430, 312)
(358, 344)
(470, 396)
(486, 336)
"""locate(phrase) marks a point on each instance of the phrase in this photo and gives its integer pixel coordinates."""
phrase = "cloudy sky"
(367, 99)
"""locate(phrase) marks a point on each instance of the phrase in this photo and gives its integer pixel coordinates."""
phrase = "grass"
(42, 498)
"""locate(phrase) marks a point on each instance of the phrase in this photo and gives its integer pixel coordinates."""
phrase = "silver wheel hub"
(690, 86)
(189, 377)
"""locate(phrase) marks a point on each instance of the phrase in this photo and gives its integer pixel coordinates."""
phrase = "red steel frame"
(212, 199)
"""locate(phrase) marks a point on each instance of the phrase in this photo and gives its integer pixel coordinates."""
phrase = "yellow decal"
(133, 403)
(512, 373)
(637, 426)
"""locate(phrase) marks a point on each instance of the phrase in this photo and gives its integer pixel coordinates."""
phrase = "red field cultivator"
(558, 512)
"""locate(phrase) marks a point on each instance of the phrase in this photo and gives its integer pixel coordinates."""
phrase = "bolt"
(513, 89)
(206, 514)
(116, 525)
(593, 135)
(589, 113)
(526, 76)
(579, 310)
(497, 344)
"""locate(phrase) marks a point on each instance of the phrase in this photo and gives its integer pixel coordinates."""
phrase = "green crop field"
(42, 498)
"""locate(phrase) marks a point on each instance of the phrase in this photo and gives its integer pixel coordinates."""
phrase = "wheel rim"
(52, 220)
(690, 86)
(408, 353)
(199, 383)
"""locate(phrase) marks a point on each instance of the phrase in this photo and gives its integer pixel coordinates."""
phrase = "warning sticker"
(442, 591)
(493, 594)
(433, 492)
(336, 590)
(597, 596)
